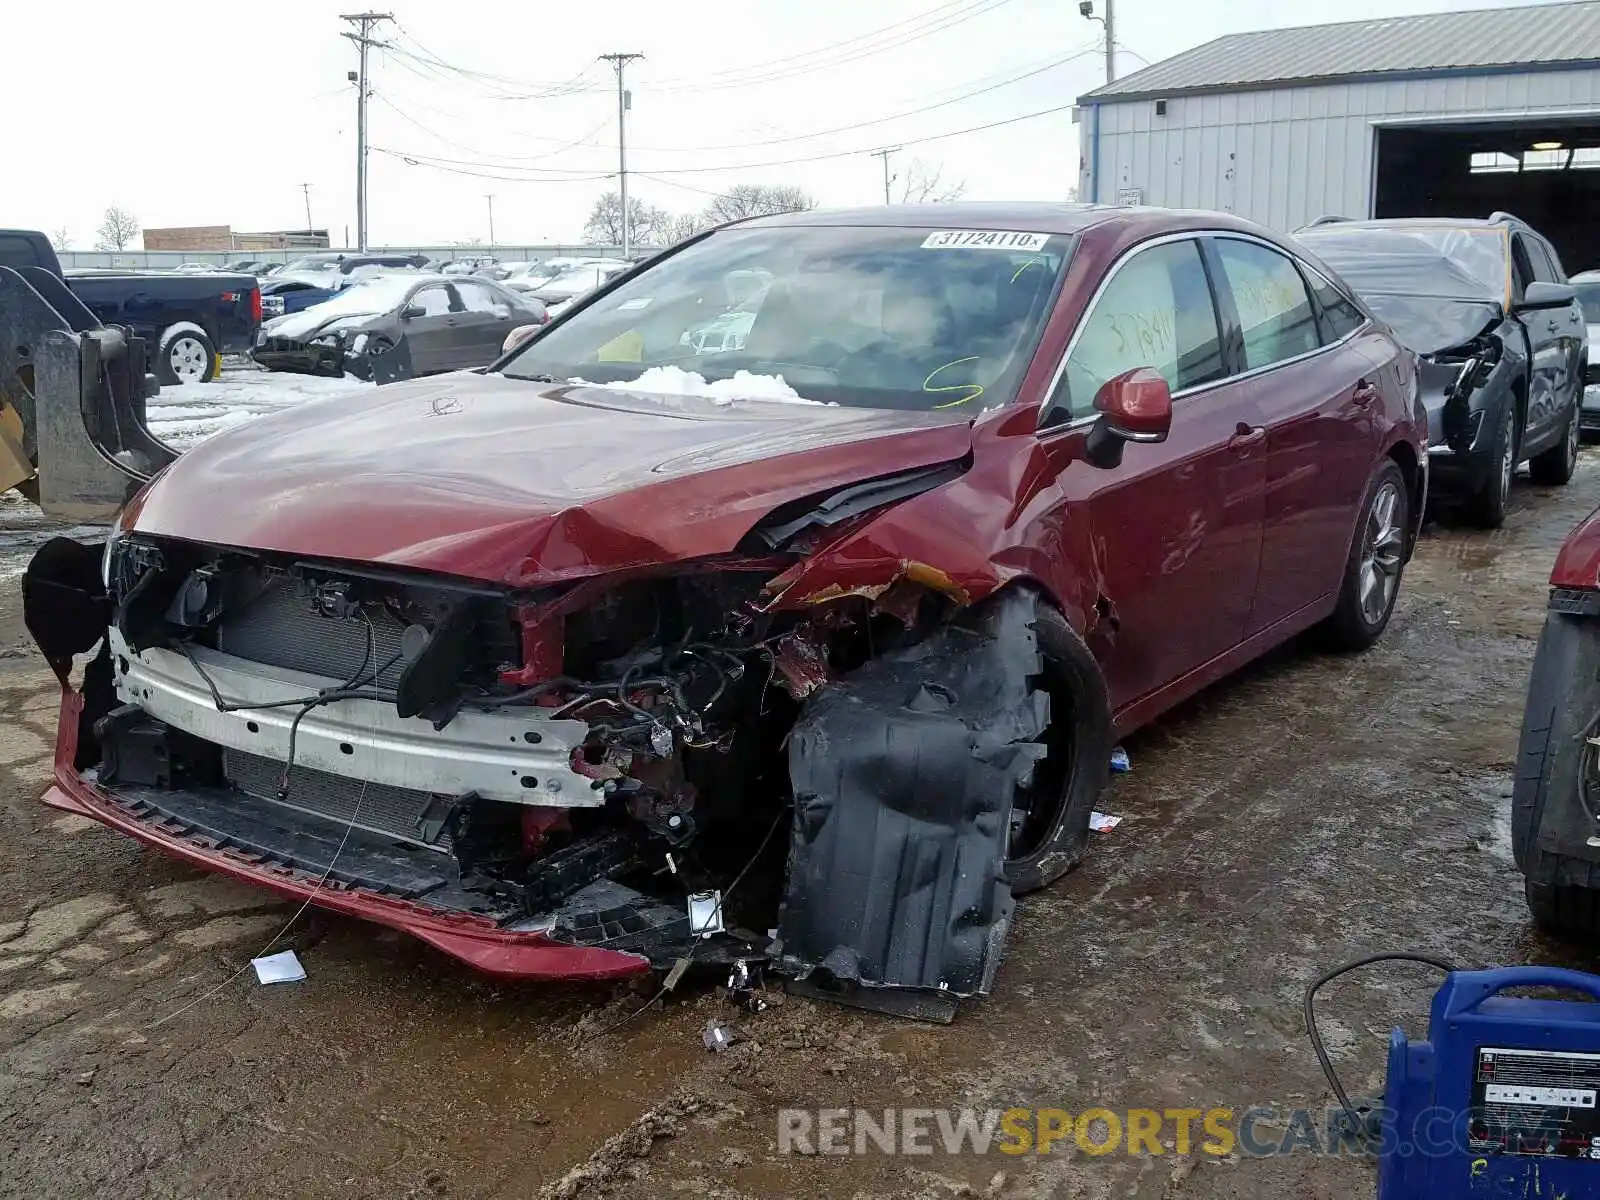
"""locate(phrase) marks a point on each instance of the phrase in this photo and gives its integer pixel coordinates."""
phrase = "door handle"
(1365, 393)
(1554, 327)
(1247, 437)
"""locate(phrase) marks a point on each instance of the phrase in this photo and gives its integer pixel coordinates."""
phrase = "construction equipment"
(73, 436)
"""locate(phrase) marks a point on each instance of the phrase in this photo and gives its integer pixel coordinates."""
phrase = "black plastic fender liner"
(903, 775)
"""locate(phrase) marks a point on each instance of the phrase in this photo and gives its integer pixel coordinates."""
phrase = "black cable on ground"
(1358, 1122)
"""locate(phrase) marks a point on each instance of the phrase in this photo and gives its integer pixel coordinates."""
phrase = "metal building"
(1455, 114)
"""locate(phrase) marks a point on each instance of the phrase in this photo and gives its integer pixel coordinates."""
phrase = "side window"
(1275, 313)
(479, 299)
(435, 301)
(1337, 314)
(1156, 312)
(1545, 267)
(17, 252)
(1522, 262)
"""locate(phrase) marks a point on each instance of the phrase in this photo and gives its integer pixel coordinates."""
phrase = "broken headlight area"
(577, 761)
(1460, 373)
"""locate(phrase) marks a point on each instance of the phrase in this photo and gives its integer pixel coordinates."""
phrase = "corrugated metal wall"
(1287, 156)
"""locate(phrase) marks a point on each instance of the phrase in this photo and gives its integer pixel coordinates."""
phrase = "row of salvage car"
(807, 642)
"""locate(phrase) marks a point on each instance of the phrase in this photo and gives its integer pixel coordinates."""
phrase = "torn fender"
(903, 775)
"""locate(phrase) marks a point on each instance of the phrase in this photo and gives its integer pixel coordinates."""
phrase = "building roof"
(1528, 37)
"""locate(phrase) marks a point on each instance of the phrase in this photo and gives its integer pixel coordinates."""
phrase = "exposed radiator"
(391, 811)
(280, 628)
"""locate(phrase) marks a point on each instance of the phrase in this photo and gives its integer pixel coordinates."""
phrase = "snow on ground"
(675, 381)
(185, 414)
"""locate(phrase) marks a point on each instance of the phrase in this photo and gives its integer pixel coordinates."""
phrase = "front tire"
(1555, 467)
(1067, 783)
(1487, 507)
(1376, 562)
(185, 354)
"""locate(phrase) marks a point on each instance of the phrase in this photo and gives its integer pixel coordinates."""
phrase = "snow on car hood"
(675, 381)
(504, 480)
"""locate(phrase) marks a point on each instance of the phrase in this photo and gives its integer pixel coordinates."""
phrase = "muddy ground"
(1311, 809)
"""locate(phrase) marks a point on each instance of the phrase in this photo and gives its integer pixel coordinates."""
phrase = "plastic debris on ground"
(1120, 763)
(279, 968)
(1103, 823)
(746, 989)
(718, 1036)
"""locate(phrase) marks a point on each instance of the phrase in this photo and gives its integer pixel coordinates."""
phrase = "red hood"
(498, 479)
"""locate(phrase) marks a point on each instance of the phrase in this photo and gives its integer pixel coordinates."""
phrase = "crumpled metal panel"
(903, 776)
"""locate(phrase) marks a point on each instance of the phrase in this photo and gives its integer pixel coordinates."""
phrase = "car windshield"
(369, 297)
(869, 317)
(1447, 262)
(1589, 297)
(313, 264)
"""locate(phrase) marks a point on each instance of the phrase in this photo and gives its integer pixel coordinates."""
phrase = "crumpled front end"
(583, 780)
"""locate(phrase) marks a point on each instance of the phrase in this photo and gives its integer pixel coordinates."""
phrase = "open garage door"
(1544, 170)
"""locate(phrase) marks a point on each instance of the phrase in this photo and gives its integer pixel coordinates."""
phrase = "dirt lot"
(1307, 811)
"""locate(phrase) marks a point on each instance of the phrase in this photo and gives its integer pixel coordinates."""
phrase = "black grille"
(282, 629)
(393, 811)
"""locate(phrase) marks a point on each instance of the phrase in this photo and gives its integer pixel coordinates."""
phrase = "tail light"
(255, 305)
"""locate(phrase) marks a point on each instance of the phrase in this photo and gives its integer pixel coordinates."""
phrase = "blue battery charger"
(1502, 1100)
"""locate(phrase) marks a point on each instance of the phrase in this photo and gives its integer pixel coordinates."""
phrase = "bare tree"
(757, 200)
(117, 229)
(647, 225)
(61, 239)
(925, 184)
(684, 225)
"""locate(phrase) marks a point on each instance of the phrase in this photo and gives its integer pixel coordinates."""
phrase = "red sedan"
(799, 579)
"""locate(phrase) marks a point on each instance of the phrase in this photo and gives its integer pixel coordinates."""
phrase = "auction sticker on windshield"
(984, 239)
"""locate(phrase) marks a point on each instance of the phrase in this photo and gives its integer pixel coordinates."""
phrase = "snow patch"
(675, 381)
(188, 413)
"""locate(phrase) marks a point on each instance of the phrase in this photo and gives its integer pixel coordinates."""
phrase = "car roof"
(1497, 221)
(1024, 216)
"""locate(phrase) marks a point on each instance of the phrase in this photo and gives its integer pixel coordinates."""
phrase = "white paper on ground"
(279, 968)
(1102, 823)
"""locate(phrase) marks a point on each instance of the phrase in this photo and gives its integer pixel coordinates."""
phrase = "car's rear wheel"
(185, 355)
(1052, 829)
(1556, 465)
(1375, 564)
(1487, 506)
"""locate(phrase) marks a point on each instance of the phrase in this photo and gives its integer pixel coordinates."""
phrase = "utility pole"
(624, 102)
(1086, 10)
(490, 199)
(306, 188)
(884, 154)
(365, 22)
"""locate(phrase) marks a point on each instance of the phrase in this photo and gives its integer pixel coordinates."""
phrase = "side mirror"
(1136, 406)
(412, 311)
(1546, 295)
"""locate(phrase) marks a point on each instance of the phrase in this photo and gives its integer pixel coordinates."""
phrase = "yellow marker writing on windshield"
(972, 390)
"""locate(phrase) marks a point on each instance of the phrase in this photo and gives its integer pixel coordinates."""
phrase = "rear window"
(18, 251)
(869, 317)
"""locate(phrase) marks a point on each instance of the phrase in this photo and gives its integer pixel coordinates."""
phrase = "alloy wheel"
(1381, 554)
(188, 359)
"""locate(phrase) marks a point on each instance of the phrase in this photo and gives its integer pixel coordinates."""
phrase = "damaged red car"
(782, 600)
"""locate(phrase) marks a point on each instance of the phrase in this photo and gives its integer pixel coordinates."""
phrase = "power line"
(761, 73)
(561, 148)
(422, 160)
(786, 162)
(1082, 52)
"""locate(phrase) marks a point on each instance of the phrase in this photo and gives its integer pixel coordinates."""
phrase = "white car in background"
(1587, 284)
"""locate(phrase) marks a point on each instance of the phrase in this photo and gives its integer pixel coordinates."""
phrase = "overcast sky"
(206, 112)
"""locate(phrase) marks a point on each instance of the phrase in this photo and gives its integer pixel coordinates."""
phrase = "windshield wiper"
(538, 378)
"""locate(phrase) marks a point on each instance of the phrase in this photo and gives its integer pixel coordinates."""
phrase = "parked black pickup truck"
(186, 319)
